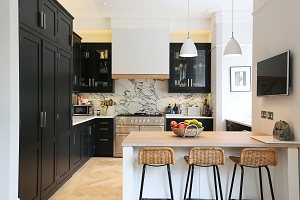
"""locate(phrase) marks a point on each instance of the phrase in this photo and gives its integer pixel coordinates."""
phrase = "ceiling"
(166, 9)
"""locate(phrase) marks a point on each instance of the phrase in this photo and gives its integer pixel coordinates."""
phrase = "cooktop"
(156, 114)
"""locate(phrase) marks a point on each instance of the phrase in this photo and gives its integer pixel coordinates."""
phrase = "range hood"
(140, 49)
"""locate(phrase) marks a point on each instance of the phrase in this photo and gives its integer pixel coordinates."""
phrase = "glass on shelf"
(101, 54)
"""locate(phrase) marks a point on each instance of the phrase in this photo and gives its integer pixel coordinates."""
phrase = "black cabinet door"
(190, 74)
(30, 106)
(207, 123)
(104, 137)
(96, 68)
(76, 147)
(30, 14)
(91, 138)
(64, 115)
(76, 62)
(65, 30)
(48, 134)
(50, 11)
(84, 141)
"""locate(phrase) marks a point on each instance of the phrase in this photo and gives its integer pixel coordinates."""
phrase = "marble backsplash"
(145, 95)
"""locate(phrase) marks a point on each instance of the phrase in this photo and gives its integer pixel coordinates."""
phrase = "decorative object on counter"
(188, 128)
(208, 112)
(282, 131)
(188, 48)
(232, 48)
(98, 112)
(204, 107)
(193, 111)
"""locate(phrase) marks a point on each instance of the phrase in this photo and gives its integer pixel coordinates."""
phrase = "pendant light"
(188, 49)
(232, 48)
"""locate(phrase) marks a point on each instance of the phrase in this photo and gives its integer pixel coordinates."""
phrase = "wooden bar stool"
(156, 157)
(204, 157)
(254, 158)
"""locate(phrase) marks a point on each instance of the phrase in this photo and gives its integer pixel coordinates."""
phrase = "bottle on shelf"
(175, 109)
(204, 107)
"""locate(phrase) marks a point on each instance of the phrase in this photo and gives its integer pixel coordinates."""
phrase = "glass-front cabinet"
(96, 67)
(190, 74)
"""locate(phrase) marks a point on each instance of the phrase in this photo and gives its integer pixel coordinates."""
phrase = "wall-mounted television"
(273, 75)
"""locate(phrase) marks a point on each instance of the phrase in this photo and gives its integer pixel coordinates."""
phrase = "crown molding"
(139, 23)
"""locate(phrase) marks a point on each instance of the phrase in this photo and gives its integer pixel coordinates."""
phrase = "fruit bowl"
(190, 131)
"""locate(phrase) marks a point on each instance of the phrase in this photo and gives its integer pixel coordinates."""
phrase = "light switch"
(270, 115)
(263, 114)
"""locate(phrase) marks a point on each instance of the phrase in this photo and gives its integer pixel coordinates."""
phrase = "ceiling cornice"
(139, 23)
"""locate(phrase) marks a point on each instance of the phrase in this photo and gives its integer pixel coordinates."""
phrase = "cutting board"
(271, 140)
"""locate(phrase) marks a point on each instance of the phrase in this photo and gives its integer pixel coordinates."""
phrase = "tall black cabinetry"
(76, 62)
(45, 99)
(190, 75)
(96, 68)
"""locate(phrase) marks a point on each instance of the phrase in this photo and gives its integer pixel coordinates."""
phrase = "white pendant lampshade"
(188, 49)
(232, 48)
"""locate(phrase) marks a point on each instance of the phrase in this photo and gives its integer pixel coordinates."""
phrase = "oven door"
(152, 128)
(121, 133)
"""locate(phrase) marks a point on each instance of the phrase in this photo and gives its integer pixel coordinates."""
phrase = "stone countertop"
(81, 119)
(205, 139)
(186, 116)
(245, 122)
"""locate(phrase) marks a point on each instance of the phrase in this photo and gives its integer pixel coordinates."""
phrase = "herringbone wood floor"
(100, 178)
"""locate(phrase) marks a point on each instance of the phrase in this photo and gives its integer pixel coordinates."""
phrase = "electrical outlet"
(263, 114)
(270, 115)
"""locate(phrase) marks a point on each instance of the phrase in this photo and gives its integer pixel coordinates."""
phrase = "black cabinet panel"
(29, 14)
(50, 11)
(48, 130)
(232, 126)
(207, 123)
(76, 147)
(104, 137)
(29, 163)
(193, 74)
(65, 28)
(76, 61)
(84, 141)
(91, 138)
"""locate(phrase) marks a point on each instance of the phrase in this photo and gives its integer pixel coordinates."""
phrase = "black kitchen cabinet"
(76, 62)
(207, 123)
(76, 147)
(45, 100)
(96, 68)
(190, 75)
(104, 137)
(91, 138)
(233, 126)
(84, 141)
(65, 27)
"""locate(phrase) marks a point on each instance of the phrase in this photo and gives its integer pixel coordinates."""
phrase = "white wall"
(276, 30)
(9, 88)
(233, 105)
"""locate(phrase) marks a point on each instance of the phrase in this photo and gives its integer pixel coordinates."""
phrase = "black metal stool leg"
(215, 181)
(260, 184)
(219, 180)
(191, 183)
(170, 181)
(142, 182)
(270, 183)
(242, 179)
(187, 183)
(232, 180)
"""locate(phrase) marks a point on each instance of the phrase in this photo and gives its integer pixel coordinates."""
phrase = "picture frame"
(240, 79)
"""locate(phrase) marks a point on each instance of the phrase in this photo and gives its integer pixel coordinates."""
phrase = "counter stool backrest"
(206, 156)
(258, 157)
(156, 155)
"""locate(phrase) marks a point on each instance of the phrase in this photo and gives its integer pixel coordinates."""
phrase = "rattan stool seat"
(254, 158)
(156, 157)
(204, 157)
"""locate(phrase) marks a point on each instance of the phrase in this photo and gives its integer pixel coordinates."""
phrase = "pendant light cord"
(188, 18)
(232, 20)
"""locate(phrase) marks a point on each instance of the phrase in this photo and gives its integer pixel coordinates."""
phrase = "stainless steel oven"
(136, 122)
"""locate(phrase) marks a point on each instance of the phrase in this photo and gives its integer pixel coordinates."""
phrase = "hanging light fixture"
(232, 48)
(188, 49)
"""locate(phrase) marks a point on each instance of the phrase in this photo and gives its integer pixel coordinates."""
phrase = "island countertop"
(206, 138)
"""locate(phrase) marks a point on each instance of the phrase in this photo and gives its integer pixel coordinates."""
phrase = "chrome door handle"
(42, 119)
(103, 140)
(45, 119)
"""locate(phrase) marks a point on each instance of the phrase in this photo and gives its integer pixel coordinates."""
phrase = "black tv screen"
(273, 75)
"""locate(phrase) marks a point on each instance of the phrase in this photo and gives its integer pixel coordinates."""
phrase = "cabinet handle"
(188, 82)
(45, 119)
(42, 119)
(74, 141)
(103, 129)
(103, 122)
(103, 140)
(191, 82)
(44, 21)
(90, 130)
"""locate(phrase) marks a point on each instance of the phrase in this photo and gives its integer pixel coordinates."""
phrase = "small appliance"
(83, 110)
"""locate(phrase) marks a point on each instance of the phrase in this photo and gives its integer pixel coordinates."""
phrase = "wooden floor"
(100, 178)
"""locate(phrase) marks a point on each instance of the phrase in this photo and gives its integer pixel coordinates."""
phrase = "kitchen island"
(285, 175)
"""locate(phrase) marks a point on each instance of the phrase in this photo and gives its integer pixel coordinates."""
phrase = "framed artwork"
(240, 79)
